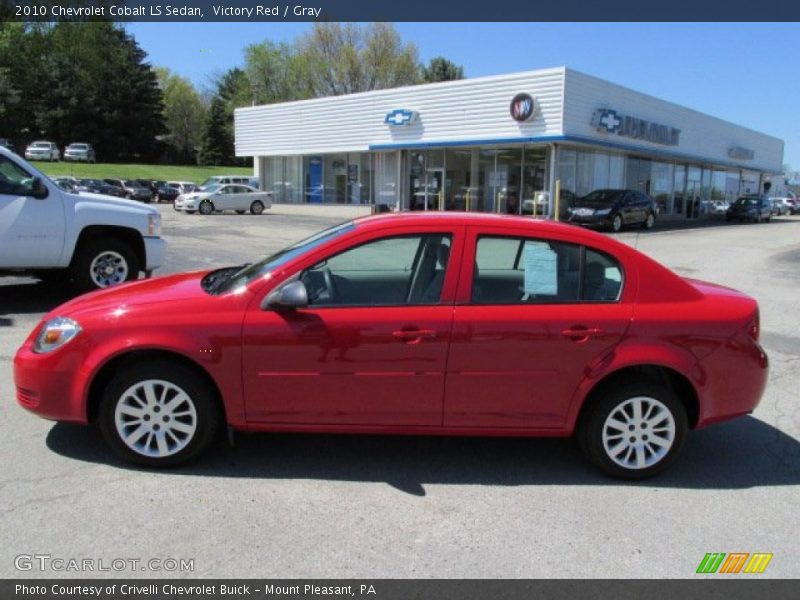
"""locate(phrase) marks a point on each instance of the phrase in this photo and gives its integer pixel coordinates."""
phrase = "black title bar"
(406, 10)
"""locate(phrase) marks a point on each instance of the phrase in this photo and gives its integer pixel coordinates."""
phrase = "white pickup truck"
(95, 240)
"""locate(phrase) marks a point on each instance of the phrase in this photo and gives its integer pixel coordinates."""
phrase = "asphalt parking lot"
(345, 506)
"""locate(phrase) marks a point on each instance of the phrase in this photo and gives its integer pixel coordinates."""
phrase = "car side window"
(602, 278)
(14, 180)
(386, 272)
(535, 271)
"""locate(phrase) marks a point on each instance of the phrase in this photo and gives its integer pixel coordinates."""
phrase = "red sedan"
(454, 324)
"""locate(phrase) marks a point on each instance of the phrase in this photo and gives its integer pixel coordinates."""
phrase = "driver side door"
(369, 349)
(31, 229)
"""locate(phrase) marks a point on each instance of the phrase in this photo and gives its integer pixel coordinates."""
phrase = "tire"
(616, 223)
(170, 409)
(206, 208)
(257, 207)
(758, 218)
(649, 221)
(102, 263)
(637, 456)
(240, 212)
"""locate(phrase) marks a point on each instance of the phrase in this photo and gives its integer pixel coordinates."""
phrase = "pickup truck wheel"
(158, 415)
(104, 262)
(206, 208)
(633, 431)
(257, 207)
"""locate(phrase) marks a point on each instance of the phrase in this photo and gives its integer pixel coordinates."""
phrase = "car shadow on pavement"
(743, 454)
(30, 296)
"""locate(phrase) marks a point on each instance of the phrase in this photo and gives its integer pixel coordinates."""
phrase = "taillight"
(755, 326)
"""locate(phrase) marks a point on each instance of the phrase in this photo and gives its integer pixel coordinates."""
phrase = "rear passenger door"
(532, 316)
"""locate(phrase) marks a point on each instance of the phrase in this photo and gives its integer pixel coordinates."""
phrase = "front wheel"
(158, 415)
(257, 207)
(634, 431)
(104, 262)
(206, 208)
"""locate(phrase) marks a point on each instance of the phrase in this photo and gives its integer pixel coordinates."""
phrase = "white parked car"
(42, 151)
(216, 198)
(226, 179)
(80, 152)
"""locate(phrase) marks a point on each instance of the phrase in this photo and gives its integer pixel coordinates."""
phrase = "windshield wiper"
(212, 282)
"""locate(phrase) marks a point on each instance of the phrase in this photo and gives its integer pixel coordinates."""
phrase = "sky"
(746, 73)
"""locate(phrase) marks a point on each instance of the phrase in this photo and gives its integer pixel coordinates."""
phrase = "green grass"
(157, 172)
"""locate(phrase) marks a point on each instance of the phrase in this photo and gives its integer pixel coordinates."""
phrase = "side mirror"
(288, 297)
(39, 189)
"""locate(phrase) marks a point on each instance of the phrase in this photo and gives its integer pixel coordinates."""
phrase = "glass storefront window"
(460, 194)
(679, 184)
(661, 186)
(387, 184)
(567, 167)
(293, 179)
(334, 173)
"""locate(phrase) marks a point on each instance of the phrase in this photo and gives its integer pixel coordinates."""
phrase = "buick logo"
(522, 107)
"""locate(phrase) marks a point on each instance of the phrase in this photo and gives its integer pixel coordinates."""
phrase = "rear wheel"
(634, 431)
(104, 262)
(158, 415)
(206, 208)
(257, 207)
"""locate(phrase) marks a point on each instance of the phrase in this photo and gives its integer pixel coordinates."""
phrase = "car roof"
(540, 226)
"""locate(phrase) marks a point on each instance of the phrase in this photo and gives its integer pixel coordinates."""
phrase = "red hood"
(170, 288)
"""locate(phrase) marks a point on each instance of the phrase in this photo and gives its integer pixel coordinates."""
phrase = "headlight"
(602, 211)
(154, 224)
(55, 333)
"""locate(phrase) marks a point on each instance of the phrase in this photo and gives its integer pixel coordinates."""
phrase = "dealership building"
(503, 143)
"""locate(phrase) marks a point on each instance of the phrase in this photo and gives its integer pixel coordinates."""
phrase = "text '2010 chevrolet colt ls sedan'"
(456, 324)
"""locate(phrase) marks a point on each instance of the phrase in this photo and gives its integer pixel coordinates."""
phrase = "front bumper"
(50, 385)
(155, 249)
(590, 220)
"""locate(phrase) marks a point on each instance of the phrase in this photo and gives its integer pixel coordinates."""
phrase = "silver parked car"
(216, 198)
(79, 151)
(42, 151)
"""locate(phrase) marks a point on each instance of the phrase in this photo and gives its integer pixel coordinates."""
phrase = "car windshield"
(745, 202)
(40, 145)
(269, 264)
(77, 146)
(600, 198)
(211, 188)
(131, 183)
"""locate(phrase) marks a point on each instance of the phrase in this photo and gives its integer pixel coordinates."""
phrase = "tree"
(344, 59)
(217, 144)
(276, 73)
(84, 81)
(184, 115)
(441, 69)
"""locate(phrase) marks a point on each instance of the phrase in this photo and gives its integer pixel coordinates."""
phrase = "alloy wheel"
(639, 432)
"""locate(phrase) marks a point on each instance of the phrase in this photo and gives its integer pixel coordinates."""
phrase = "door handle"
(414, 336)
(581, 334)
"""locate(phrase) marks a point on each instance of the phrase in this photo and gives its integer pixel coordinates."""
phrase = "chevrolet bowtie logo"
(400, 116)
(606, 119)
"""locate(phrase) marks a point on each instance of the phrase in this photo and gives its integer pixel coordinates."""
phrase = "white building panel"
(702, 137)
(469, 110)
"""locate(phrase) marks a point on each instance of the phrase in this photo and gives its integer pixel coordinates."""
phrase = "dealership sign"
(740, 153)
(522, 107)
(609, 121)
(401, 116)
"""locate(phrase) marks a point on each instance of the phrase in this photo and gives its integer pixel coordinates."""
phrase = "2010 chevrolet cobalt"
(455, 324)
